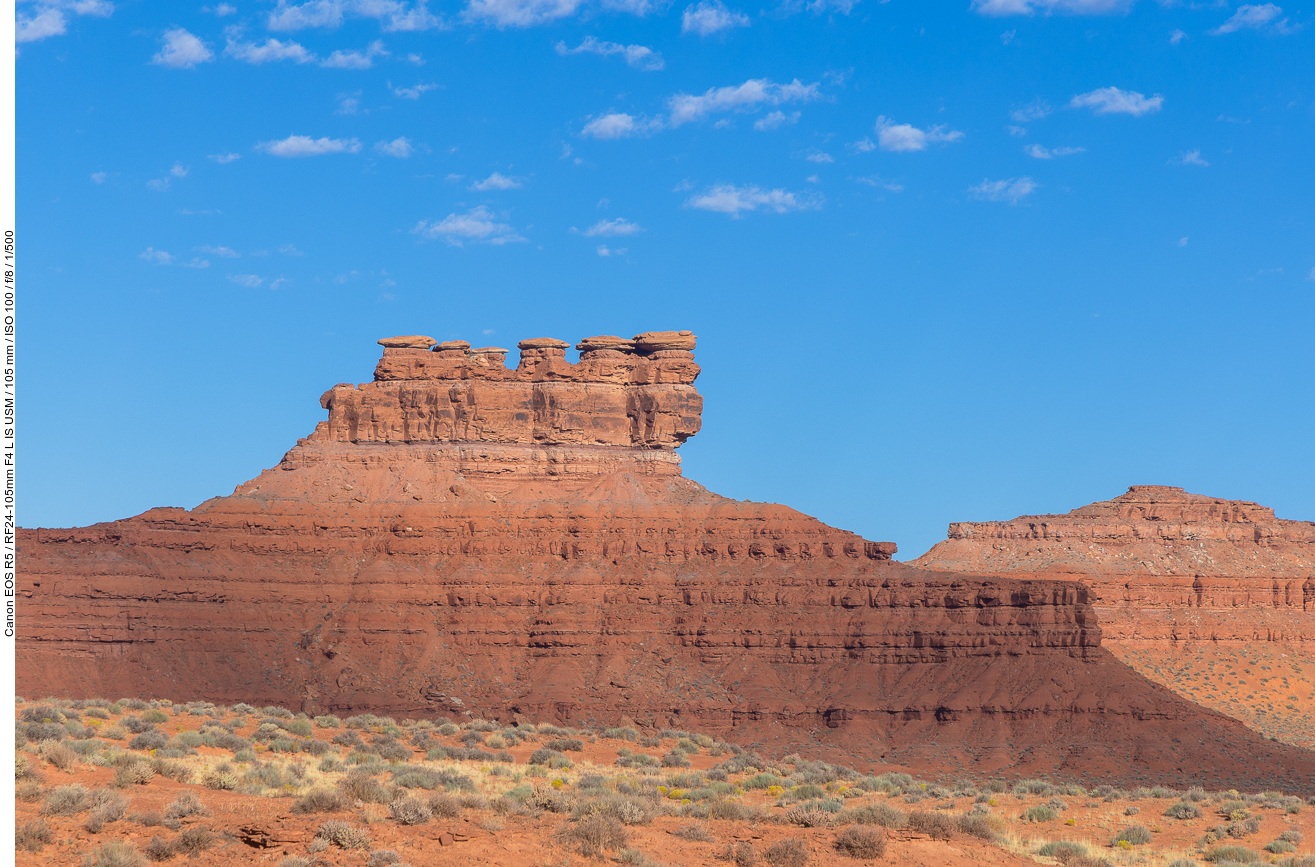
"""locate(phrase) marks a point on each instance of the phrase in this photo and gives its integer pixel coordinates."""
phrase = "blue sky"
(946, 261)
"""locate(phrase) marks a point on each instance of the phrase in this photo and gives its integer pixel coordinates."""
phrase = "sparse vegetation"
(371, 778)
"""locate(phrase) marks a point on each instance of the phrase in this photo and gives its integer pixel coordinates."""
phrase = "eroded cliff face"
(460, 538)
(1213, 598)
(1161, 564)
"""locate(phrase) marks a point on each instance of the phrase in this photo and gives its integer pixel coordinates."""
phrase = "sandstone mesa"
(462, 538)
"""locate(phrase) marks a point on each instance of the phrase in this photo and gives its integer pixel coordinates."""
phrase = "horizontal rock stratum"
(1160, 563)
(463, 538)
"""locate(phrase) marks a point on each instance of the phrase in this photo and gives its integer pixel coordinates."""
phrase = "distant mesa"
(461, 538)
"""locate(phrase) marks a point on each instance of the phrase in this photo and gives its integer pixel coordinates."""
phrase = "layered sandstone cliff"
(1160, 564)
(462, 538)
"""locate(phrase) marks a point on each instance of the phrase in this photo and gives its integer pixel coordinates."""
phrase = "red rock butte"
(460, 538)
(1161, 564)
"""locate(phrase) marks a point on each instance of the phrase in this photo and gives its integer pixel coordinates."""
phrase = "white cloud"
(1042, 153)
(415, 19)
(49, 19)
(273, 50)
(905, 138)
(1182, 242)
(862, 146)
(618, 125)
(1112, 100)
(613, 228)
(250, 281)
(878, 181)
(158, 184)
(182, 50)
(1034, 110)
(710, 16)
(820, 157)
(1016, 131)
(317, 13)
(225, 252)
(497, 181)
(1031, 7)
(1011, 190)
(618, 251)
(224, 9)
(160, 257)
(415, 59)
(179, 170)
(730, 199)
(305, 146)
(1311, 275)
(1176, 36)
(399, 147)
(289, 250)
(223, 159)
(348, 103)
(637, 56)
(98, 177)
(519, 13)
(411, 92)
(1190, 158)
(478, 226)
(46, 23)
(1252, 17)
(355, 59)
(744, 97)
(774, 120)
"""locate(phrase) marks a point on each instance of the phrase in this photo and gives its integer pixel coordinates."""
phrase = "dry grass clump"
(594, 835)
(410, 810)
(66, 801)
(445, 806)
(790, 852)
(32, 836)
(696, 831)
(106, 807)
(739, 854)
(115, 853)
(192, 841)
(321, 801)
(861, 843)
(344, 835)
(186, 804)
(937, 826)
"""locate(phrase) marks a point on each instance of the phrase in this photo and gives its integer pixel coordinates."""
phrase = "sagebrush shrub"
(1133, 835)
(410, 810)
(861, 843)
(186, 804)
(321, 801)
(32, 836)
(790, 852)
(159, 849)
(115, 853)
(66, 801)
(344, 835)
(192, 841)
(938, 826)
(593, 835)
(878, 814)
(1184, 810)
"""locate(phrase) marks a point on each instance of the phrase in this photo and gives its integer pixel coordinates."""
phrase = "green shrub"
(1280, 847)
(1039, 813)
(1133, 835)
(1184, 810)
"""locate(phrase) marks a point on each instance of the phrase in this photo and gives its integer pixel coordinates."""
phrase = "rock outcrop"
(461, 538)
(1160, 564)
